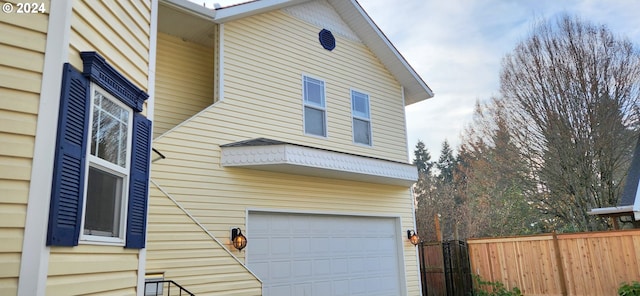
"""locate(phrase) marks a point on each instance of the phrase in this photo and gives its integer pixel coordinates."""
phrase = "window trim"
(322, 108)
(108, 167)
(67, 183)
(367, 119)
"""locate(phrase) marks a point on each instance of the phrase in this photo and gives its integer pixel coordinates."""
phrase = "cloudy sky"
(456, 46)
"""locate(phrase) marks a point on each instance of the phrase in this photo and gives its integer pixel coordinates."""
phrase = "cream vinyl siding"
(184, 81)
(92, 270)
(119, 31)
(219, 198)
(265, 58)
(185, 253)
(22, 44)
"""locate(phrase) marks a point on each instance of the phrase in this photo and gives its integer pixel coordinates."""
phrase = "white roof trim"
(191, 8)
(616, 210)
(238, 11)
(302, 160)
(389, 55)
(359, 21)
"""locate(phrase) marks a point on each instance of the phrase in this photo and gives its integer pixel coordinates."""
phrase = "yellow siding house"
(255, 149)
(75, 135)
(283, 120)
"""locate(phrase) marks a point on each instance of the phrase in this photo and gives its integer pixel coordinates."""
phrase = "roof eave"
(235, 12)
(416, 90)
(616, 211)
(191, 8)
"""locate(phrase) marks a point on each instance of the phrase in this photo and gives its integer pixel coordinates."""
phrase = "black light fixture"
(413, 237)
(238, 240)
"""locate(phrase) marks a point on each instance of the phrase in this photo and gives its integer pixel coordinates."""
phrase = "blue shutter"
(65, 210)
(139, 182)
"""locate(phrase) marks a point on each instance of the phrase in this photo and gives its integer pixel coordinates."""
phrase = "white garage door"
(323, 255)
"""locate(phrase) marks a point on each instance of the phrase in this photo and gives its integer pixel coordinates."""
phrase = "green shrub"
(632, 289)
(486, 288)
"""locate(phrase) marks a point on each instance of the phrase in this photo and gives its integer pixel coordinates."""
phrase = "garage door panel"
(296, 254)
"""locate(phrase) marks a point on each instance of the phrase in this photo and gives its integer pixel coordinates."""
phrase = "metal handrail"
(158, 282)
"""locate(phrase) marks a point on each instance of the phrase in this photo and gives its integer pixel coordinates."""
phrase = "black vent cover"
(327, 40)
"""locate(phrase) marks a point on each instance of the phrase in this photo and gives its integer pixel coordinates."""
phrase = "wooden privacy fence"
(588, 263)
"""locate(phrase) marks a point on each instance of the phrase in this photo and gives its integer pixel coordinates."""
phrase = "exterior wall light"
(238, 240)
(413, 237)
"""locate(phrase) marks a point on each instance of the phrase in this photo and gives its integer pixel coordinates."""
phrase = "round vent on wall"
(327, 40)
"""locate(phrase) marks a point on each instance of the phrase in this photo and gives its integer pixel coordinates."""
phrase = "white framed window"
(100, 182)
(361, 116)
(108, 167)
(315, 113)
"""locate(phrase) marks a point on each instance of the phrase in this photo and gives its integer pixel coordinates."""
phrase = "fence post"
(436, 220)
(556, 246)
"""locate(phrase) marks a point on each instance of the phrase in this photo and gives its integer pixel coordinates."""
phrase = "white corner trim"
(404, 120)
(151, 85)
(221, 63)
(415, 228)
(34, 262)
(304, 160)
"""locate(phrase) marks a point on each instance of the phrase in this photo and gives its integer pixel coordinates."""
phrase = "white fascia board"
(387, 52)
(611, 210)
(302, 160)
(191, 8)
(234, 12)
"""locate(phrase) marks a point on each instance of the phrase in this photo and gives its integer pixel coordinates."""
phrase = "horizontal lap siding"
(90, 269)
(184, 253)
(179, 97)
(119, 31)
(264, 59)
(219, 197)
(22, 45)
(263, 98)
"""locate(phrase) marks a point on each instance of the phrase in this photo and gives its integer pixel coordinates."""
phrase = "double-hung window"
(101, 169)
(361, 118)
(108, 166)
(315, 113)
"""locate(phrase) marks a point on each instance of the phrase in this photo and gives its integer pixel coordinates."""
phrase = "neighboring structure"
(628, 209)
(282, 118)
(74, 82)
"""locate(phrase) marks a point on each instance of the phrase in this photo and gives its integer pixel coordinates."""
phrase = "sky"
(457, 46)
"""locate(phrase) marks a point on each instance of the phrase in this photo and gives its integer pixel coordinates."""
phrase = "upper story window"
(100, 180)
(315, 113)
(361, 118)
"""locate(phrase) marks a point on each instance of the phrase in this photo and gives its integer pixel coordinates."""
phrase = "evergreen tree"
(446, 163)
(422, 159)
